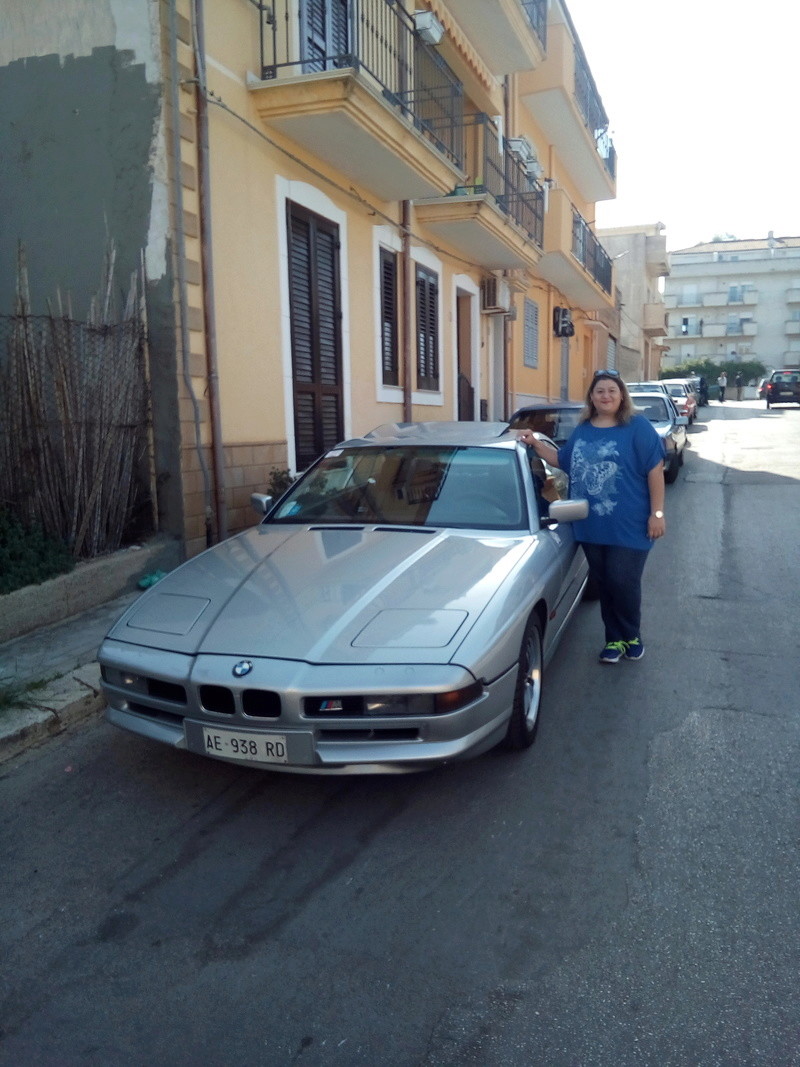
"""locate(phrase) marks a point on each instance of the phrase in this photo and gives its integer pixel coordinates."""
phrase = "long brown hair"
(625, 411)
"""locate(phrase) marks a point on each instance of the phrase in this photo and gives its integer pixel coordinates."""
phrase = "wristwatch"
(658, 514)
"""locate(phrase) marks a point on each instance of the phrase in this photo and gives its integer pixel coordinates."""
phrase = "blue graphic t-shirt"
(609, 467)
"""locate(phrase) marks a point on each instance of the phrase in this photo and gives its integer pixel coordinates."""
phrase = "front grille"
(261, 704)
(217, 698)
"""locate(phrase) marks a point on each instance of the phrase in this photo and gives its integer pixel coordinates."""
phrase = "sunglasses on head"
(600, 373)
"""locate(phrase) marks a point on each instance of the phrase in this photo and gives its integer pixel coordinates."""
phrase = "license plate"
(239, 744)
(786, 392)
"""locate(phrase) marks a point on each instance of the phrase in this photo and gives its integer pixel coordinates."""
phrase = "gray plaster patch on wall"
(77, 146)
(77, 27)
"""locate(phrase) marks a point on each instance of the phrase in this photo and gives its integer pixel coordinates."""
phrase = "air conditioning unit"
(495, 296)
(534, 169)
(521, 147)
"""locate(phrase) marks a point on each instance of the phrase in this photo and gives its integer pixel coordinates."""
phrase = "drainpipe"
(508, 406)
(180, 257)
(408, 303)
(207, 267)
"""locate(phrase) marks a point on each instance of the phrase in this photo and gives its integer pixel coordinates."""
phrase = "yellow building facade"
(379, 211)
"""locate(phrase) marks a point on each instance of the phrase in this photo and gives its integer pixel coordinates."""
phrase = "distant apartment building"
(350, 212)
(735, 300)
(640, 258)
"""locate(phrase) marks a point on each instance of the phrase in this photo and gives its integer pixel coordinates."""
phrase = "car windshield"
(410, 485)
(677, 390)
(654, 408)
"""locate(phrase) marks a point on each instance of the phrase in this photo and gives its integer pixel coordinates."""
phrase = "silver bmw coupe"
(392, 611)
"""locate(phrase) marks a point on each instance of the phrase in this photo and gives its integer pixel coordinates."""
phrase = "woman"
(615, 459)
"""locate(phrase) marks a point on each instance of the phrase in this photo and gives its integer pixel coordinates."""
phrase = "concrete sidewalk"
(52, 676)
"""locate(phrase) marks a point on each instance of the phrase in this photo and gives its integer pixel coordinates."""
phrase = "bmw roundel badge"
(242, 668)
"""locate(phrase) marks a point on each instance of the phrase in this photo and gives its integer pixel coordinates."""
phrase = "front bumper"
(168, 703)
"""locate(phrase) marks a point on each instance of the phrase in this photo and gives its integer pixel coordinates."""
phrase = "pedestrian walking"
(615, 459)
(738, 381)
(722, 382)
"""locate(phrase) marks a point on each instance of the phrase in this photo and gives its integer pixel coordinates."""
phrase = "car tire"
(671, 473)
(524, 721)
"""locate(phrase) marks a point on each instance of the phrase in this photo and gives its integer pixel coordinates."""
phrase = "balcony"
(793, 328)
(745, 328)
(793, 295)
(497, 218)
(711, 300)
(368, 97)
(656, 256)
(574, 260)
(745, 295)
(654, 319)
(713, 329)
(508, 35)
(562, 97)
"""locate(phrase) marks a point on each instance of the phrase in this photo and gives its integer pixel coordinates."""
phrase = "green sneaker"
(613, 652)
(634, 649)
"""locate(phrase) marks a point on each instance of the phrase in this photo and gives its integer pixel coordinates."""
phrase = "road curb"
(52, 709)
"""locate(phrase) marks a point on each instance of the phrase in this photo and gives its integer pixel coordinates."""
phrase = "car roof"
(434, 433)
(550, 405)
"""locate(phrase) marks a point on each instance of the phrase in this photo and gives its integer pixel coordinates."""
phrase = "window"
(427, 329)
(388, 284)
(531, 347)
(611, 353)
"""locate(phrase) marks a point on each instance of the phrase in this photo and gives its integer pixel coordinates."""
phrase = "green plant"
(13, 695)
(27, 555)
(279, 482)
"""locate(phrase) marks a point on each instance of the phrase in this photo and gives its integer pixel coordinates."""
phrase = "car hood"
(327, 595)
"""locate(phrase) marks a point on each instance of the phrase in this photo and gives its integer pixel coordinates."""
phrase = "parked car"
(683, 397)
(671, 428)
(783, 387)
(393, 610)
(761, 388)
(555, 420)
(634, 388)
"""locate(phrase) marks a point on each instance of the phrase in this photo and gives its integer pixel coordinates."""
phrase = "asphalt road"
(626, 893)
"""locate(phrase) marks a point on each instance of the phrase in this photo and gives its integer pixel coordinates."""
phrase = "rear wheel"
(524, 721)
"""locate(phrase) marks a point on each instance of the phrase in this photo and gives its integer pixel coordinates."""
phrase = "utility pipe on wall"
(408, 304)
(180, 264)
(207, 268)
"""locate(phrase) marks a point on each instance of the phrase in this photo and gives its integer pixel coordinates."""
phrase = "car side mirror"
(260, 503)
(567, 511)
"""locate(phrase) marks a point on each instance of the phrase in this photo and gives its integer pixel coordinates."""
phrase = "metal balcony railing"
(536, 10)
(503, 176)
(590, 253)
(593, 112)
(378, 39)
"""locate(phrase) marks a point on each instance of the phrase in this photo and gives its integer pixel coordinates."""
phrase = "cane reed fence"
(74, 422)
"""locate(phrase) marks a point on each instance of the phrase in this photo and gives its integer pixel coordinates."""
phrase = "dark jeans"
(618, 575)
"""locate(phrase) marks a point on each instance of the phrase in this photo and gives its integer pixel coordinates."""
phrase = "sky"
(703, 98)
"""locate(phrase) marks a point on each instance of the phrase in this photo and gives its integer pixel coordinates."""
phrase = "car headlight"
(393, 704)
